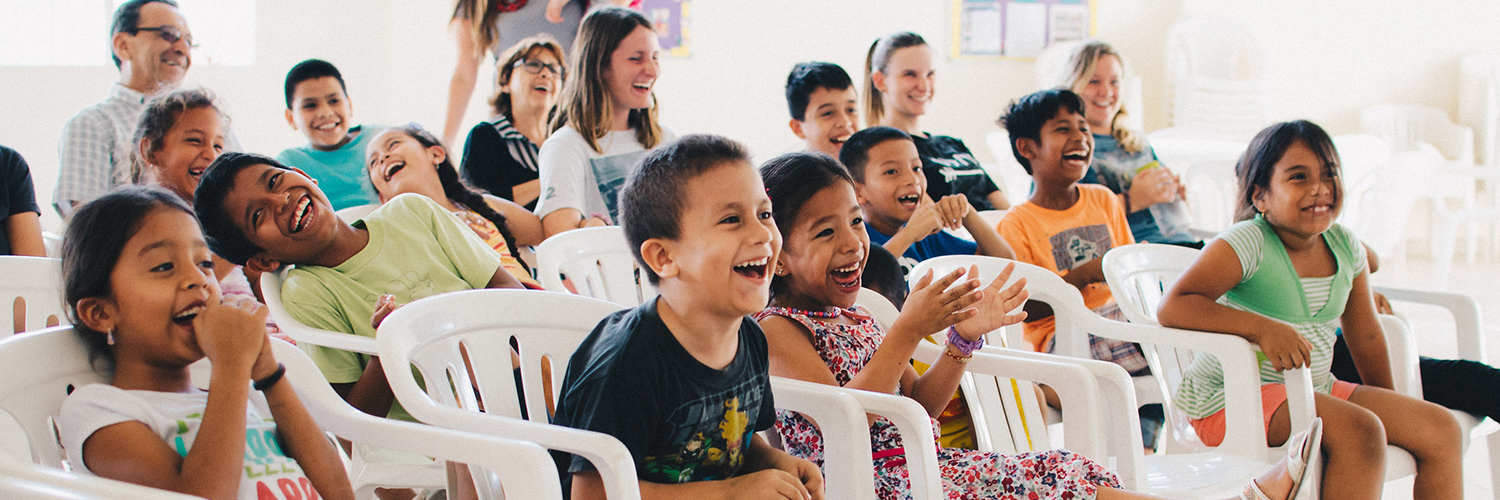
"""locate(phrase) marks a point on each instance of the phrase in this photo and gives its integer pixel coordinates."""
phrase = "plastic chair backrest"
(597, 262)
(30, 293)
(1380, 208)
(31, 481)
(270, 289)
(1007, 172)
(1214, 77)
(1042, 285)
(1479, 102)
(1139, 277)
(37, 371)
(351, 214)
(1407, 126)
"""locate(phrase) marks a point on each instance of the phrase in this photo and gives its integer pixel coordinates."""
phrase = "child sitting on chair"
(682, 380)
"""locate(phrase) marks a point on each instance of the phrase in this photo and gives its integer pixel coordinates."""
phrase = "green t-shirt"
(416, 250)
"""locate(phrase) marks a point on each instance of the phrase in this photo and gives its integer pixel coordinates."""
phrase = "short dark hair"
(224, 238)
(127, 19)
(158, 117)
(1259, 160)
(791, 180)
(95, 237)
(807, 78)
(884, 274)
(856, 151)
(1026, 116)
(311, 69)
(653, 198)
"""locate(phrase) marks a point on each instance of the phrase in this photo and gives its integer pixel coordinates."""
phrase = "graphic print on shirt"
(274, 475)
(714, 431)
(610, 172)
(1077, 246)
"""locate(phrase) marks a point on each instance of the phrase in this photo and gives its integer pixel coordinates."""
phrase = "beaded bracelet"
(948, 351)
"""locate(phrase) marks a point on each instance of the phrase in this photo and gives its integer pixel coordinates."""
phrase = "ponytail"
(876, 60)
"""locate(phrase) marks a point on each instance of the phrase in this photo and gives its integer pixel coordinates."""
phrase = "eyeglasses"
(171, 34)
(535, 67)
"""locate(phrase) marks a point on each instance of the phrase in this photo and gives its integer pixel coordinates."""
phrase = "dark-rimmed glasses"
(535, 67)
(171, 34)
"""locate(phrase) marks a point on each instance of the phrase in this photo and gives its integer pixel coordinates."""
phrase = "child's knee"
(1439, 428)
(1355, 431)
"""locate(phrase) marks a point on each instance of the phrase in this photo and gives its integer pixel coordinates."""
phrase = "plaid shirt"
(94, 153)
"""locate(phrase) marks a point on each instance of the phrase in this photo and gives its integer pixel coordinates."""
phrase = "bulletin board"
(670, 19)
(1005, 29)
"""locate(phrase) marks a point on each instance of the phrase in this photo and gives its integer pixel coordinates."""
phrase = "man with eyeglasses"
(152, 47)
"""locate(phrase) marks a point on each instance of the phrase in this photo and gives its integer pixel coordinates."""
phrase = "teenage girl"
(816, 333)
(408, 159)
(899, 85)
(605, 122)
(1288, 277)
(138, 280)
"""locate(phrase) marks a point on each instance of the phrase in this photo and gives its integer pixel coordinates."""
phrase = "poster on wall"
(670, 19)
(987, 29)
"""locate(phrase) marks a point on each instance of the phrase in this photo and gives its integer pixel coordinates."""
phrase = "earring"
(780, 269)
(109, 337)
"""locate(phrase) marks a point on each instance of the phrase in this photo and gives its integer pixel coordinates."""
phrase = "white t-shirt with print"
(175, 417)
(575, 176)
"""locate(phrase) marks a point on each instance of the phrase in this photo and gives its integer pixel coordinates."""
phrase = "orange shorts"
(1211, 428)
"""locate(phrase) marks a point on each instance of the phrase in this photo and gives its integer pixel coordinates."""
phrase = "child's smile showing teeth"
(391, 169)
(300, 215)
(909, 201)
(185, 318)
(754, 269)
(847, 277)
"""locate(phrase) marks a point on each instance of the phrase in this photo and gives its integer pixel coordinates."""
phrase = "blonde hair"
(586, 104)
(481, 15)
(1083, 63)
(506, 67)
(876, 60)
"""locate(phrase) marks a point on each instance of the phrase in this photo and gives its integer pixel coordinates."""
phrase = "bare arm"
(371, 393)
(300, 437)
(1366, 339)
(567, 219)
(768, 474)
(461, 85)
(1191, 304)
(25, 232)
(503, 279)
(526, 192)
(523, 225)
(998, 200)
(990, 242)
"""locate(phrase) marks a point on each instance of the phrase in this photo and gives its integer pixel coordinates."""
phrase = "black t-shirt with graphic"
(681, 420)
(952, 169)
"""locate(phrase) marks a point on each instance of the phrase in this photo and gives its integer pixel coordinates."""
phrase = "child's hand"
(231, 330)
(265, 363)
(954, 208)
(554, 10)
(384, 306)
(995, 305)
(933, 306)
(1157, 185)
(927, 219)
(810, 474)
(1284, 347)
(770, 484)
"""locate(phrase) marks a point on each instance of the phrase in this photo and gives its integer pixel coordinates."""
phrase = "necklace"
(819, 314)
(509, 5)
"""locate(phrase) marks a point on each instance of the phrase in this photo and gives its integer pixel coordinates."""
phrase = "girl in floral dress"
(815, 333)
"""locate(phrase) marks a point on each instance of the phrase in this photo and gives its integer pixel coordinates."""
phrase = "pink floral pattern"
(967, 474)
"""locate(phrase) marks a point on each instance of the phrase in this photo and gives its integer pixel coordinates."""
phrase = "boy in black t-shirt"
(683, 380)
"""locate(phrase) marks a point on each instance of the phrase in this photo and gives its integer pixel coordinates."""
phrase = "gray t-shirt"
(575, 176)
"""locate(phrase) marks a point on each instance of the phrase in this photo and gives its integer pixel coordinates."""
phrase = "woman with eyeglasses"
(501, 153)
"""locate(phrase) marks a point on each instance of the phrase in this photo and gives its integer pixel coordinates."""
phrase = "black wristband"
(270, 380)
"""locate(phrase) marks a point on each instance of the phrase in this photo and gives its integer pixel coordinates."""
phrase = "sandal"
(1300, 451)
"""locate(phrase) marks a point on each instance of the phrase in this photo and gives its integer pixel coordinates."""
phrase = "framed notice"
(670, 19)
(995, 29)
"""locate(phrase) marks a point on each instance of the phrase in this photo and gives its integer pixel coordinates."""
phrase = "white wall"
(1329, 61)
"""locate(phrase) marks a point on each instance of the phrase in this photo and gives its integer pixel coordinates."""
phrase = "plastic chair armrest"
(915, 426)
(1465, 311)
(848, 469)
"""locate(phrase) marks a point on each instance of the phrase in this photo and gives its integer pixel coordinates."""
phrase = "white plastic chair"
(41, 368)
(30, 293)
(598, 263)
(1216, 473)
(1006, 171)
(372, 466)
(351, 214)
(1215, 78)
(53, 243)
(27, 480)
(1140, 275)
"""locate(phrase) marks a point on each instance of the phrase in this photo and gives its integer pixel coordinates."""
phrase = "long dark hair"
(455, 188)
(1259, 161)
(791, 180)
(91, 248)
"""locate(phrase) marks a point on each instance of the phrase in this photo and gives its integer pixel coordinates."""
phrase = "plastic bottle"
(1172, 217)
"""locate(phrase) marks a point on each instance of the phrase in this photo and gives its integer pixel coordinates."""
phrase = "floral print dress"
(967, 474)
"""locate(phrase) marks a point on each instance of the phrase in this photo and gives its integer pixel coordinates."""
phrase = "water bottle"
(1171, 217)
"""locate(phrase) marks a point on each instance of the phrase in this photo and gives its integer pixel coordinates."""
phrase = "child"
(500, 154)
(178, 135)
(317, 104)
(605, 122)
(682, 380)
(888, 180)
(899, 82)
(1285, 278)
(816, 333)
(408, 159)
(264, 215)
(1154, 206)
(883, 274)
(824, 106)
(140, 289)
